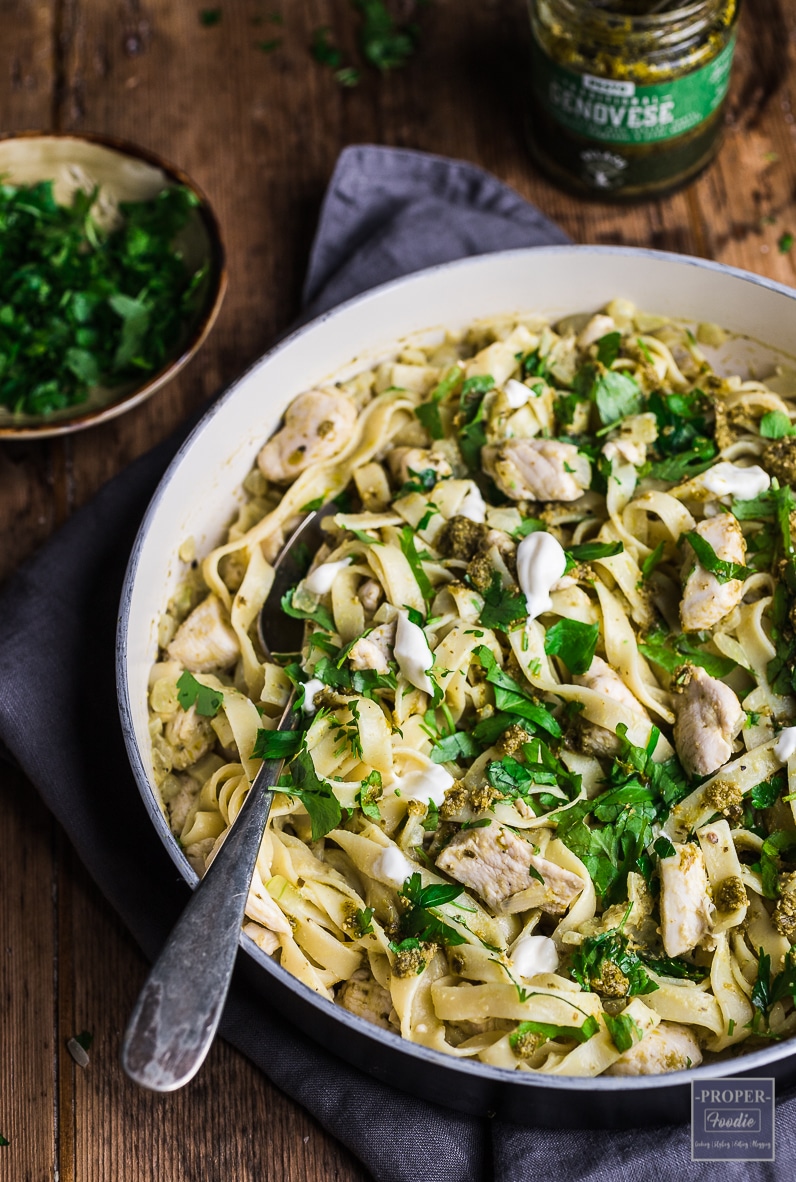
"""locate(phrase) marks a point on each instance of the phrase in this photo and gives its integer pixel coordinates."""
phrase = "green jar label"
(617, 112)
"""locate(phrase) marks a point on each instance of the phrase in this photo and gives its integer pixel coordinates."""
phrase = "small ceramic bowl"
(126, 173)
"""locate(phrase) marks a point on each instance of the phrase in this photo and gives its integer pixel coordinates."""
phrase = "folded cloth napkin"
(387, 212)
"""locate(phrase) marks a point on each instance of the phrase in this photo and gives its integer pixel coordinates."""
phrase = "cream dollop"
(392, 867)
(534, 954)
(311, 688)
(731, 480)
(428, 783)
(473, 505)
(541, 562)
(412, 653)
(517, 394)
(785, 745)
(320, 580)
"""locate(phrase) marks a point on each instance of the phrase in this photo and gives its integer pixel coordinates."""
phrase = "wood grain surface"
(260, 132)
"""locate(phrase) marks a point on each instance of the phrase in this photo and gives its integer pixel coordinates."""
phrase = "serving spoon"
(178, 1010)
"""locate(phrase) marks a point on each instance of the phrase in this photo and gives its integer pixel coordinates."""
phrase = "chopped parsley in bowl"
(111, 274)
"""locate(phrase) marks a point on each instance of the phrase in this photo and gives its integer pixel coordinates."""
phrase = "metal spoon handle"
(180, 1006)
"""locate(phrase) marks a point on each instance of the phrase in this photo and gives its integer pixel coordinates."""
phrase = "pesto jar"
(627, 102)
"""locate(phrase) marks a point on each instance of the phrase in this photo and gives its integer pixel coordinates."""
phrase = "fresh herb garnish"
(707, 557)
(472, 432)
(779, 842)
(319, 615)
(785, 242)
(608, 348)
(510, 697)
(384, 43)
(764, 795)
(82, 306)
(419, 922)
(624, 1031)
(315, 794)
(428, 412)
(276, 744)
(409, 551)
(574, 642)
(775, 425)
(363, 917)
(652, 560)
(589, 551)
(189, 691)
(503, 606)
(592, 955)
(550, 1030)
(369, 795)
(615, 394)
(676, 650)
(767, 992)
(454, 748)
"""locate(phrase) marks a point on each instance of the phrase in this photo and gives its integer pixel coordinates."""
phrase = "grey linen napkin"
(386, 213)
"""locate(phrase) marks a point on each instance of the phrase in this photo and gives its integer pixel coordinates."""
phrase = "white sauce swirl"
(785, 745)
(311, 688)
(534, 954)
(731, 480)
(473, 507)
(541, 562)
(428, 783)
(392, 867)
(320, 580)
(412, 653)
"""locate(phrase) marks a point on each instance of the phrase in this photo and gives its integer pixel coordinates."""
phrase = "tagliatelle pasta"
(538, 809)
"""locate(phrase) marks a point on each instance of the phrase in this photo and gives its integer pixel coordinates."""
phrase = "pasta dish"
(536, 810)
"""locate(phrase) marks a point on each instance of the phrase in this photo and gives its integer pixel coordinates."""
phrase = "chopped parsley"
(190, 691)
(767, 991)
(550, 1030)
(82, 306)
(363, 917)
(270, 744)
(723, 570)
(590, 957)
(503, 606)
(315, 794)
(410, 553)
(574, 642)
(428, 412)
(624, 1031)
(319, 614)
(615, 394)
(419, 922)
(511, 698)
(369, 795)
(775, 425)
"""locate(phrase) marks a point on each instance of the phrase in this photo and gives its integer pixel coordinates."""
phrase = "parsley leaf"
(418, 921)
(503, 606)
(663, 847)
(608, 348)
(775, 425)
(472, 432)
(363, 917)
(614, 393)
(652, 560)
(384, 43)
(723, 570)
(369, 794)
(624, 1031)
(550, 1030)
(276, 744)
(764, 795)
(779, 842)
(767, 992)
(454, 748)
(189, 690)
(315, 794)
(409, 551)
(592, 954)
(510, 697)
(676, 650)
(589, 551)
(319, 615)
(428, 412)
(573, 641)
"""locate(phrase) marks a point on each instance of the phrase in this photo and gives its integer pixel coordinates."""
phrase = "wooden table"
(260, 132)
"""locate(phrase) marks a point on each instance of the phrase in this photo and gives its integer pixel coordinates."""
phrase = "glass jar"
(627, 102)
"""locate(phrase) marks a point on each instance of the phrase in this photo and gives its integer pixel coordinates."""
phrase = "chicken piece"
(669, 1047)
(709, 717)
(705, 599)
(362, 995)
(190, 736)
(495, 863)
(403, 461)
(538, 469)
(600, 677)
(318, 424)
(205, 641)
(686, 908)
(370, 595)
(374, 651)
(181, 804)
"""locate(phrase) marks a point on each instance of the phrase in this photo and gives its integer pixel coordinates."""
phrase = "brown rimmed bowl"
(128, 173)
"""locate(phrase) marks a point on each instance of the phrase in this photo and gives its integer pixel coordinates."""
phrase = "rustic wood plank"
(230, 1122)
(27, 984)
